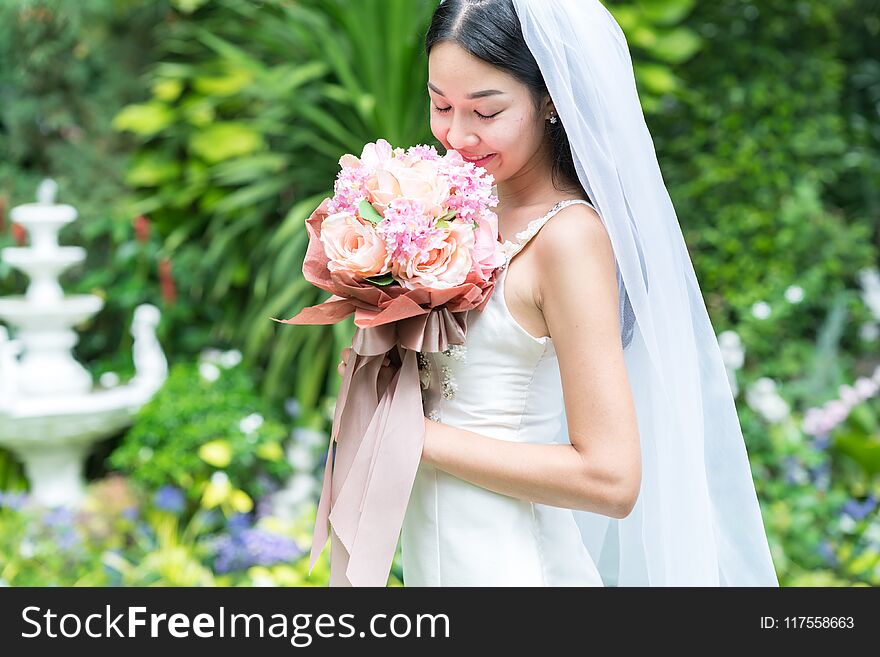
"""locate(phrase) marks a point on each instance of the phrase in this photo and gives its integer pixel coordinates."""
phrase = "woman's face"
(500, 122)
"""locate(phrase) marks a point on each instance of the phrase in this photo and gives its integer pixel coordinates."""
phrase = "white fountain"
(50, 412)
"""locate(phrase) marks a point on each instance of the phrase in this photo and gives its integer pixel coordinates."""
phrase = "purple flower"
(826, 551)
(251, 547)
(267, 548)
(13, 500)
(858, 510)
(238, 523)
(169, 498)
(821, 441)
(59, 517)
(821, 475)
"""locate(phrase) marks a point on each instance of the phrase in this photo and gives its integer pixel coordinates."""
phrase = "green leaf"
(677, 45)
(145, 119)
(223, 141)
(368, 212)
(235, 79)
(151, 169)
(448, 216)
(384, 279)
(665, 12)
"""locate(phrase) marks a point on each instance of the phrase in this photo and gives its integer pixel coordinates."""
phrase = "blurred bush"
(209, 433)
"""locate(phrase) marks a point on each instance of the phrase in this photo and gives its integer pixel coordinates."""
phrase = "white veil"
(697, 521)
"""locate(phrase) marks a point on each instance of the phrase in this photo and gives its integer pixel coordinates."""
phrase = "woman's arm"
(600, 470)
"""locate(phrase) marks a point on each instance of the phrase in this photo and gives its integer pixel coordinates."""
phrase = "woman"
(586, 435)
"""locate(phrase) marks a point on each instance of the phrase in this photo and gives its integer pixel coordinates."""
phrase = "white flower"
(26, 549)
(849, 395)
(262, 580)
(866, 387)
(732, 352)
(847, 523)
(209, 372)
(109, 379)
(210, 355)
(291, 407)
(301, 458)
(230, 358)
(251, 423)
(761, 309)
(872, 533)
(794, 294)
(870, 281)
(869, 331)
(763, 398)
(219, 478)
(309, 437)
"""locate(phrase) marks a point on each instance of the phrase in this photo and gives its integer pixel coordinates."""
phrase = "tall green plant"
(251, 109)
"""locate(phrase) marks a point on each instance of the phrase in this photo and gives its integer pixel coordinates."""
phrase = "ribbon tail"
(371, 506)
(358, 372)
(320, 532)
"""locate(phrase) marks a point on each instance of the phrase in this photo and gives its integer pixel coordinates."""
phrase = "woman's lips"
(479, 161)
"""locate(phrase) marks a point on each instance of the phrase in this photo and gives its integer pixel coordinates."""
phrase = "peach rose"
(440, 268)
(353, 247)
(419, 181)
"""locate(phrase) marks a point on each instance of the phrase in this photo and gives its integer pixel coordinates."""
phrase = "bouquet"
(409, 244)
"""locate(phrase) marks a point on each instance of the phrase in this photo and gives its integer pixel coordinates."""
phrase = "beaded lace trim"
(511, 248)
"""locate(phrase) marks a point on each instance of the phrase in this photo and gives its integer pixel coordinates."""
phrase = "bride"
(585, 434)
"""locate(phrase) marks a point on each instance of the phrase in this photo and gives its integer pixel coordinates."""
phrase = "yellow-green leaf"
(270, 451)
(217, 453)
(241, 501)
(223, 141)
(167, 89)
(231, 83)
(144, 119)
(151, 170)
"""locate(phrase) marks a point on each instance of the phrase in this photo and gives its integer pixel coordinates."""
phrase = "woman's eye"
(443, 110)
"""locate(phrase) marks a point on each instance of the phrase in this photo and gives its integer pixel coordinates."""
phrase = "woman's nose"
(460, 137)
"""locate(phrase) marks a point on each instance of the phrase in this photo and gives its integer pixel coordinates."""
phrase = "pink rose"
(352, 246)
(376, 154)
(420, 181)
(443, 267)
(487, 253)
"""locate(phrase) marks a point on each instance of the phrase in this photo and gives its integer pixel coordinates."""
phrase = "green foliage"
(195, 427)
(659, 40)
(66, 69)
(250, 110)
(752, 146)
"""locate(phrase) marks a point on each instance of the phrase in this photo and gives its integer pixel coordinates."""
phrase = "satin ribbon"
(378, 437)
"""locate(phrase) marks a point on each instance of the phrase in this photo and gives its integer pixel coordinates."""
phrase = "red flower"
(141, 228)
(19, 233)
(166, 280)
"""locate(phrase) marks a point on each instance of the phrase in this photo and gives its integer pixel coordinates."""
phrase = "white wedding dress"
(503, 383)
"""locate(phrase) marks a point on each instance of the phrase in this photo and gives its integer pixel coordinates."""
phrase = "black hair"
(490, 30)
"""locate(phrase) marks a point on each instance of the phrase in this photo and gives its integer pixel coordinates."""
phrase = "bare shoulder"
(574, 245)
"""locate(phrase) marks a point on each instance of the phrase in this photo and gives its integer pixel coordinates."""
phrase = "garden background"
(194, 137)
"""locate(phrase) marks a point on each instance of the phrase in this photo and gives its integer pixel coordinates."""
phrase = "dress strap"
(511, 248)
